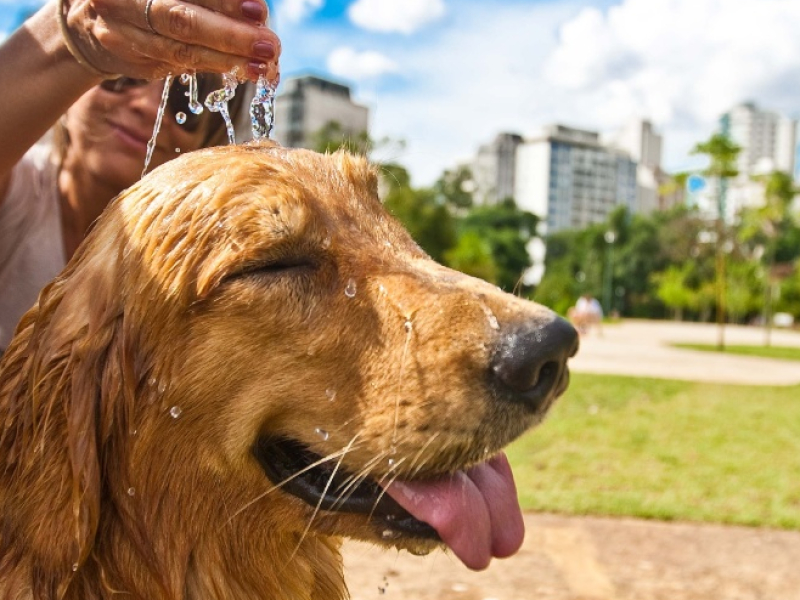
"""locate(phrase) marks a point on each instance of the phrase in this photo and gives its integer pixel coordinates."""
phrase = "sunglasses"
(178, 99)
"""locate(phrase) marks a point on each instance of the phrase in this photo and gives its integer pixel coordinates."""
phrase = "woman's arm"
(41, 78)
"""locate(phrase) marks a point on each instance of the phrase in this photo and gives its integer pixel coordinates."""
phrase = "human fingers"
(202, 27)
(157, 55)
(142, 39)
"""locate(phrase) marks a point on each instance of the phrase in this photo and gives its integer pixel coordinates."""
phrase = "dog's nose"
(530, 361)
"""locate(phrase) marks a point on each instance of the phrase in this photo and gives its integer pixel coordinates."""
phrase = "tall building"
(571, 180)
(769, 143)
(494, 169)
(642, 143)
(309, 103)
(768, 139)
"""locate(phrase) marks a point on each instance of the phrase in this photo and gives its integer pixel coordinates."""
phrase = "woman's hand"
(150, 38)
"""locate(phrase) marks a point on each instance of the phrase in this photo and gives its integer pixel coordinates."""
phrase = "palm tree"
(722, 153)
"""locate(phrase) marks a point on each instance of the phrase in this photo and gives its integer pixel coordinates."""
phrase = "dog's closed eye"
(285, 266)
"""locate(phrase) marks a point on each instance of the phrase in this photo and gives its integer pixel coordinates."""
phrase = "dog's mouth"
(325, 485)
(474, 511)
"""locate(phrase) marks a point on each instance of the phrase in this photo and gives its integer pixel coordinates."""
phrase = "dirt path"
(589, 558)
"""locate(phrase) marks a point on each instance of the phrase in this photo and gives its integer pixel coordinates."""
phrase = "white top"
(31, 242)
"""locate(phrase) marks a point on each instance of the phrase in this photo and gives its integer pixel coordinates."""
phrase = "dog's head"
(260, 351)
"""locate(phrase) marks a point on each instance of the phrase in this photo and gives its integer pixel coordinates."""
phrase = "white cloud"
(509, 67)
(679, 60)
(346, 62)
(403, 16)
(295, 11)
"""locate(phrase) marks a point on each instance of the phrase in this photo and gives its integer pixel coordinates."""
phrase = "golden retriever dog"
(247, 360)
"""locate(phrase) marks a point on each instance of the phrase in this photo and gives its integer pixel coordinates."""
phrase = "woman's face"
(109, 132)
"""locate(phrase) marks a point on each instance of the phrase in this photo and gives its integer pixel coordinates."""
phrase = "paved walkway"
(591, 558)
(642, 348)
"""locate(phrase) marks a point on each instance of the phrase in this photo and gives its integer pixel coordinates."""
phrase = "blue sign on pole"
(695, 183)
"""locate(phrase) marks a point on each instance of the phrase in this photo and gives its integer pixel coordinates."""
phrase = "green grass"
(785, 352)
(666, 450)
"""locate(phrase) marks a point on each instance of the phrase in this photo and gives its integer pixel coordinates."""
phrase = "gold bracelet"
(63, 9)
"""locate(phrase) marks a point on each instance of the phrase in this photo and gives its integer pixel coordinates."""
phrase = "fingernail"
(255, 68)
(255, 10)
(265, 50)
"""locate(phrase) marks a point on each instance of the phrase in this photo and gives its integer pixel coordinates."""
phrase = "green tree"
(473, 255)
(722, 153)
(455, 188)
(332, 136)
(673, 288)
(430, 223)
(766, 227)
(507, 230)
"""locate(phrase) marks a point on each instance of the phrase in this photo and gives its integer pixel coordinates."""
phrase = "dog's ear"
(59, 379)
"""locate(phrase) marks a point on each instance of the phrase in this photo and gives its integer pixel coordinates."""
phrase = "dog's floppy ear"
(57, 392)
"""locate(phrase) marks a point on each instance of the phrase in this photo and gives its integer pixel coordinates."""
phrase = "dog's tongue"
(475, 512)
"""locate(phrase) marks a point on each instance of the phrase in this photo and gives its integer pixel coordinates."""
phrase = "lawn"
(784, 352)
(666, 450)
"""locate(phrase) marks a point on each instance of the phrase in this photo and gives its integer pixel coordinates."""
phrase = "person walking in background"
(586, 313)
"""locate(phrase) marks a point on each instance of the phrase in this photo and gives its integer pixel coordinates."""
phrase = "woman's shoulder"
(32, 187)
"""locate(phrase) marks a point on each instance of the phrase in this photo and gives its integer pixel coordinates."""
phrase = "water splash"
(217, 101)
(157, 127)
(262, 108)
(194, 106)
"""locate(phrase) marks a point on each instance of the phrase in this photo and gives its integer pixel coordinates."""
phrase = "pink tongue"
(475, 512)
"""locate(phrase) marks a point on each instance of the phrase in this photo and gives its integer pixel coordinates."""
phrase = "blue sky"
(446, 76)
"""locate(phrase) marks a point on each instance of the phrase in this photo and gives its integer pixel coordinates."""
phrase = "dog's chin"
(325, 486)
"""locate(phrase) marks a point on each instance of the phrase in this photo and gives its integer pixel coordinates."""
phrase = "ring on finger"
(147, 8)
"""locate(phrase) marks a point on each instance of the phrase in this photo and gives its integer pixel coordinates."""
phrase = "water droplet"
(134, 432)
(326, 243)
(131, 491)
(382, 289)
(152, 382)
(330, 394)
(391, 463)
(185, 78)
(485, 451)
(322, 433)
(419, 551)
(350, 288)
(177, 150)
(194, 106)
(408, 325)
(74, 567)
(175, 412)
(151, 145)
(162, 387)
(389, 534)
(180, 117)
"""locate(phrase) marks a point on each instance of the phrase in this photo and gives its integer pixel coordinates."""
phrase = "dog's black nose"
(531, 361)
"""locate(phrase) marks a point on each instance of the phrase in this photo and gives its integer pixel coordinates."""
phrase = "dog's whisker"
(277, 486)
(409, 325)
(317, 508)
(416, 468)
